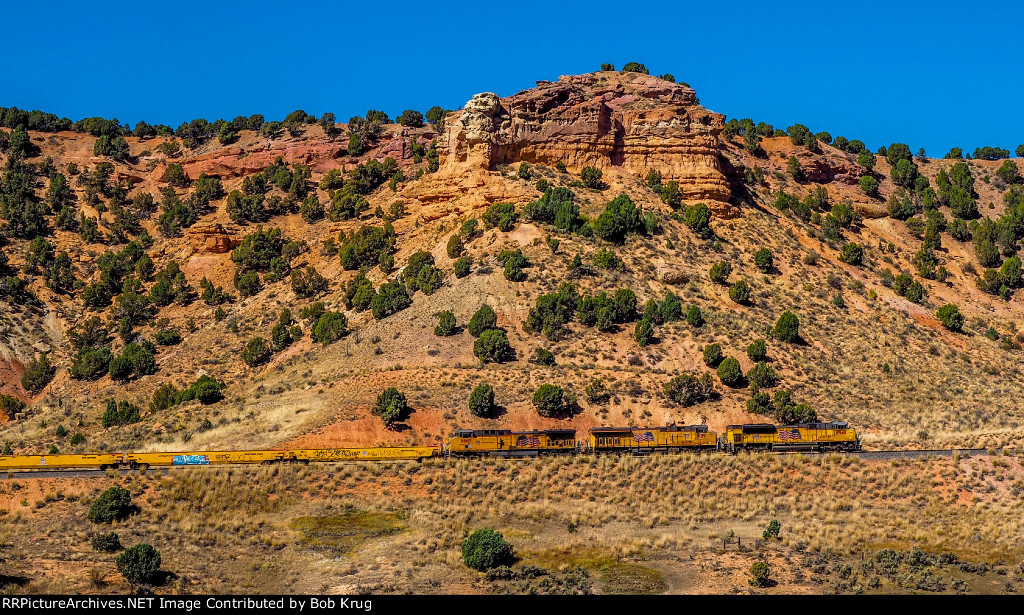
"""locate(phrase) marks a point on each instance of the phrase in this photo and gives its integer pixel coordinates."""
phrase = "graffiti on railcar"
(337, 454)
(190, 460)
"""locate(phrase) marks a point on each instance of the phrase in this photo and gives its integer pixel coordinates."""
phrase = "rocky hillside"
(133, 270)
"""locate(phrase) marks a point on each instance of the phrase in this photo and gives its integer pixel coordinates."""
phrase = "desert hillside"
(135, 260)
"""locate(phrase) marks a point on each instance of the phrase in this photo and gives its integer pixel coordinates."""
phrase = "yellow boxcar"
(649, 439)
(508, 443)
(415, 453)
(803, 436)
(58, 462)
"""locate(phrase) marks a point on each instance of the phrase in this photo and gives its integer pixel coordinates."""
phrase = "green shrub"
(688, 389)
(501, 215)
(454, 246)
(729, 372)
(698, 218)
(762, 376)
(620, 217)
(391, 406)
(793, 168)
(635, 67)
(481, 400)
(772, 531)
(469, 230)
(38, 373)
(759, 403)
(643, 333)
(492, 346)
(139, 564)
(1009, 172)
(256, 352)
(462, 267)
(167, 337)
(482, 320)
(757, 351)
(787, 328)
(114, 504)
(671, 309)
(206, 389)
(712, 355)
(308, 282)
(421, 274)
(764, 260)
(740, 292)
(591, 177)
(175, 175)
(959, 230)
(606, 259)
(410, 118)
(596, 391)
(852, 254)
(123, 413)
(760, 574)
(990, 153)
(719, 272)
(329, 328)
(548, 400)
(365, 247)
(543, 356)
(391, 298)
(446, 324)
(486, 549)
(106, 542)
(514, 270)
(553, 311)
(694, 316)
(11, 405)
(950, 317)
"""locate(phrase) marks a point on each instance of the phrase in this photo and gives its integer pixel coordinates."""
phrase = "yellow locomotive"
(642, 440)
(802, 436)
(508, 443)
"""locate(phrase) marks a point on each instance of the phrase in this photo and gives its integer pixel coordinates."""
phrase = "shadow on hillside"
(568, 411)
(6, 580)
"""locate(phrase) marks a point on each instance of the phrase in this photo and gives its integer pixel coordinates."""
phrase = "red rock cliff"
(605, 119)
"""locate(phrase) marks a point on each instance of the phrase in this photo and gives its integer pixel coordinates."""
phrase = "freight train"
(822, 437)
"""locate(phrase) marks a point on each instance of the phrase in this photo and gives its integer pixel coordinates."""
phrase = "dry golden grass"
(398, 527)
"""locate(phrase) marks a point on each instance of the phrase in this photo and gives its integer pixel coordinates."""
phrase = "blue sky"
(931, 74)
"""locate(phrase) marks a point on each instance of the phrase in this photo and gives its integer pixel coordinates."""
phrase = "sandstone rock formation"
(605, 119)
(211, 238)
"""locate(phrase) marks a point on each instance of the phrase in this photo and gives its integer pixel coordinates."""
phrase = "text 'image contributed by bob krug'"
(289, 604)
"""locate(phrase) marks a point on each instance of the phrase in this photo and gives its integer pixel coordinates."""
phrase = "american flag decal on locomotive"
(645, 436)
(527, 441)
(789, 434)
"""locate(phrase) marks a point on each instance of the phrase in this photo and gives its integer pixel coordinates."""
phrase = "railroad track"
(877, 455)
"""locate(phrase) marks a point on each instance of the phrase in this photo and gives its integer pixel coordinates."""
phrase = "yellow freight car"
(203, 458)
(802, 436)
(416, 453)
(508, 443)
(641, 440)
(59, 462)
